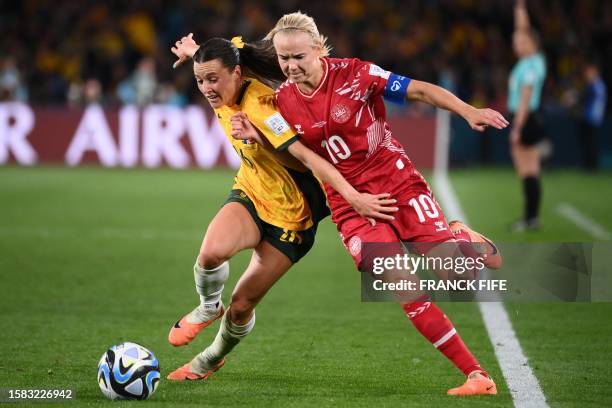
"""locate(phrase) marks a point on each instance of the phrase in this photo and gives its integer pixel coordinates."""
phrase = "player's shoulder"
(257, 89)
(535, 63)
(359, 67)
(284, 92)
(346, 64)
(284, 87)
(540, 60)
(258, 95)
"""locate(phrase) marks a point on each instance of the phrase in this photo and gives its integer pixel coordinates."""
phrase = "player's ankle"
(200, 364)
(204, 312)
(478, 373)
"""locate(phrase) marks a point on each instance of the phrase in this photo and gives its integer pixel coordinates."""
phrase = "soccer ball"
(128, 371)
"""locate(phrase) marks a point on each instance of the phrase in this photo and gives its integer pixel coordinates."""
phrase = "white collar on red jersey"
(313, 93)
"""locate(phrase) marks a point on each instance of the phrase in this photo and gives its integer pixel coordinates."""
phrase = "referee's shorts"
(534, 129)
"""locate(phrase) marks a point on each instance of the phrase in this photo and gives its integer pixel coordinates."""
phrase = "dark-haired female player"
(273, 208)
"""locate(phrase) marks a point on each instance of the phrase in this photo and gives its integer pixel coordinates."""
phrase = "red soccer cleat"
(185, 373)
(476, 384)
(492, 258)
(184, 332)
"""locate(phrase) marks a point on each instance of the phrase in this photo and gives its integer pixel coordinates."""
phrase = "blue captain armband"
(396, 88)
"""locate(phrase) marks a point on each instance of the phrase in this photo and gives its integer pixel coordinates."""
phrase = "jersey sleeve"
(530, 75)
(273, 126)
(379, 81)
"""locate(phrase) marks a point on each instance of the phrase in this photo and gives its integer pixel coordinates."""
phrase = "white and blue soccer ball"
(128, 371)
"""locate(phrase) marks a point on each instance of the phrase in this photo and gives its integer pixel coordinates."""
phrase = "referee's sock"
(433, 324)
(533, 191)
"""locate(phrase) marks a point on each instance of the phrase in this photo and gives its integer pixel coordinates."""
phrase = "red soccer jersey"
(344, 121)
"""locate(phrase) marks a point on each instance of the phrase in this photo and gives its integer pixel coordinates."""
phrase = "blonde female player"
(337, 104)
(272, 209)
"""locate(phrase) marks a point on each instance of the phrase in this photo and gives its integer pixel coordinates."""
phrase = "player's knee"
(212, 256)
(241, 308)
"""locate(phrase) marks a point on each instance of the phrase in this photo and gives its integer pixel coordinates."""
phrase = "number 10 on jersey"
(337, 148)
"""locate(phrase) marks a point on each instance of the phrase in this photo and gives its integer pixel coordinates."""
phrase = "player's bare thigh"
(267, 266)
(232, 230)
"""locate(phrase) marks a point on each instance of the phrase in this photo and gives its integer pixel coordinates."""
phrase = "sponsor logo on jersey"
(277, 124)
(354, 245)
(440, 226)
(340, 113)
(319, 124)
(375, 70)
(298, 128)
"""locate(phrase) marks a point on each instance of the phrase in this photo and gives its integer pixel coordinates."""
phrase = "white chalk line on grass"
(522, 383)
(571, 213)
(104, 233)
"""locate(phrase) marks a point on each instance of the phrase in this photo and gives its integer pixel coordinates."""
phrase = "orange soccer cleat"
(492, 258)
(476, 384)
(185, 372)
(184, 332)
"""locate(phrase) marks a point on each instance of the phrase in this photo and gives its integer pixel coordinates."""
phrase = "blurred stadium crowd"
(117, 52)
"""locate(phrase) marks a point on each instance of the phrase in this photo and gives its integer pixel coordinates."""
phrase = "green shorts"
(294, 244)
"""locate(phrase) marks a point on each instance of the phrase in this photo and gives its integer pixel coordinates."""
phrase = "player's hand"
(184, 49)
(243, 129)
(480, 119)
(374, 206)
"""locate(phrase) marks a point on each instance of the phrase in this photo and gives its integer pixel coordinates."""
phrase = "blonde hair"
(301, 22)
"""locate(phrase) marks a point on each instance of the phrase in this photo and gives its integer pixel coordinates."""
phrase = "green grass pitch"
(92, 257)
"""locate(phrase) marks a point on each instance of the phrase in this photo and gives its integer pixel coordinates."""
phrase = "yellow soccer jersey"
(277, 198)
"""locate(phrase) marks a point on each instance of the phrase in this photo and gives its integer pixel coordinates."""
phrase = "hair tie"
(237, 41)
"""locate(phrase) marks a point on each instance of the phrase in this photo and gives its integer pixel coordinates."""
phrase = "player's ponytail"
(260, 60)
(256, 59)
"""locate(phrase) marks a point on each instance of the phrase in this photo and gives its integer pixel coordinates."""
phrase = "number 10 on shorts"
(424, 206)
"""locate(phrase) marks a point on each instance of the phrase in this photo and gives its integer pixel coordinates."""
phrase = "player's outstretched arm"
(521, 17)
(184, 49)
(367, 205)
(439, 97)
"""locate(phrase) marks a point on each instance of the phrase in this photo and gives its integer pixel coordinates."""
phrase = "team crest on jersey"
(340, 113)
(277, 124)
(354, 245)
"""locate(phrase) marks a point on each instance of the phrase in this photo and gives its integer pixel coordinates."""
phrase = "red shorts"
(419, 220)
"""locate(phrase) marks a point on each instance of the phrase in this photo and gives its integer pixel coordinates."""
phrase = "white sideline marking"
(110, 233)
(571, 213)
(522, 383)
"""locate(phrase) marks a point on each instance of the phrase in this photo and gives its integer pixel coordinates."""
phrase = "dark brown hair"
(256, 59)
